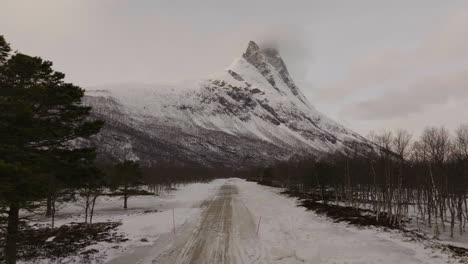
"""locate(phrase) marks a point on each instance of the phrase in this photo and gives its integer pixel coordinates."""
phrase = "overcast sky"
(370, 65)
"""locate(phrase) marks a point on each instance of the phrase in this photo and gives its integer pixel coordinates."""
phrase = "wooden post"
(258, 225)
(173, 221)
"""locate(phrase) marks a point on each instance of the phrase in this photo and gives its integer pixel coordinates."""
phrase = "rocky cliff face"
(252, 113)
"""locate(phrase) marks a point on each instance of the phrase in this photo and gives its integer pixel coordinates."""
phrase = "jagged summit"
(251, 114)
(252, 49)
(270, 64)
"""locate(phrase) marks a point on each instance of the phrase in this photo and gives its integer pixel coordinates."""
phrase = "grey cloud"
(293, 44)
(396, 103)
(443, 47)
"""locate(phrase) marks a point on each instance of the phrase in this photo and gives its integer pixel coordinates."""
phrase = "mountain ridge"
(250, 114)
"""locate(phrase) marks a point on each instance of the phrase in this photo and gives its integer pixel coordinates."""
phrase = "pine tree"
(127, 175)
(40, 115)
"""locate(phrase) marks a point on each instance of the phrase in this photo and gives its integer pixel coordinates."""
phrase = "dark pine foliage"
(128, 175)
(40, 116)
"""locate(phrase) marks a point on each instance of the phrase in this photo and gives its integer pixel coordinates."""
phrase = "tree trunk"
(53, 214)
(92, 209)
(12, 234)
(436, 224)
(87, 204)
(460, 214)
(125, 193)
(452, 223)
(49, 207)
(441, 213)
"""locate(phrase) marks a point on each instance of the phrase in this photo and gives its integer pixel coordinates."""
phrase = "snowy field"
(218, 223)
(138, 226)
(292, 235)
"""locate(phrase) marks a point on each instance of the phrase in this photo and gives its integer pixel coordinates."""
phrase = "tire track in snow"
(225, 235)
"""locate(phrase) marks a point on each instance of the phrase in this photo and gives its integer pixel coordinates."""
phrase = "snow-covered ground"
(422, 227)
(460, 240)
(218, 223)
(140, 228)
(293, 235)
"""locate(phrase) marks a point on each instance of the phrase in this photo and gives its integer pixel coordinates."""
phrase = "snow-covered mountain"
(252, 113)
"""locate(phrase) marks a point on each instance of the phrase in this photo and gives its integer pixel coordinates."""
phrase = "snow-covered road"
(226, 224)
(226, 233)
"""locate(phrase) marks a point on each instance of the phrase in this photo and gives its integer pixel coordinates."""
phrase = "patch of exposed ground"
(66, 240)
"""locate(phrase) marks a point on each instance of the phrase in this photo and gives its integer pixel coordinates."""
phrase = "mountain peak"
(267, 53)
(268, 61)
(252, 48)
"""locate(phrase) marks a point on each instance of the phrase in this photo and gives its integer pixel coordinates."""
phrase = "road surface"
(225, 224)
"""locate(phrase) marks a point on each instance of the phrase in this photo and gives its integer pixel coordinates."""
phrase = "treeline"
(126, 179)
(427, 176)
(168, 175)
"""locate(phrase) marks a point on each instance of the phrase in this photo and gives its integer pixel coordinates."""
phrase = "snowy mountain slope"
(252, 113)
